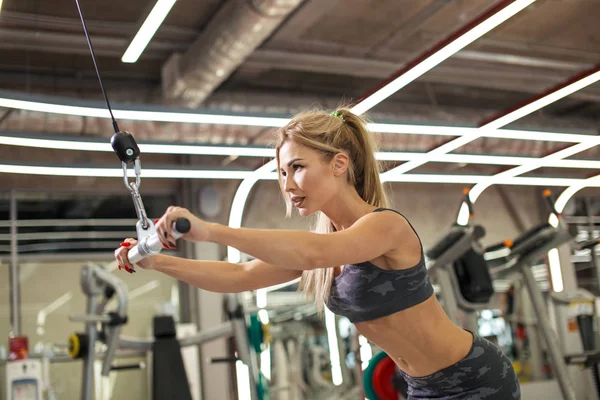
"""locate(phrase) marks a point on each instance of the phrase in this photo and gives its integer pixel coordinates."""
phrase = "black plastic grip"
(497, 246)
(550, 202)
(589, 244)
(125, 146)
(183, 225)
(445, 243)
(478, 232)
(126, 367)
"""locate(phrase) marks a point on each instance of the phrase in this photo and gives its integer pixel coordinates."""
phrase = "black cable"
(114, 121)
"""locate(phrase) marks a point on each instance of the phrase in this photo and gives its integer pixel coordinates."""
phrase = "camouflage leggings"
(484, 373)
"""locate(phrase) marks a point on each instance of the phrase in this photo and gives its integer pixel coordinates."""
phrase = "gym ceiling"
(315, 52)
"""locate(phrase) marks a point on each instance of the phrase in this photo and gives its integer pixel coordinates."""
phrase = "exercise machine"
(573, 316)
(456, 264)
(168, 375)
(24, 380)
(518, 257)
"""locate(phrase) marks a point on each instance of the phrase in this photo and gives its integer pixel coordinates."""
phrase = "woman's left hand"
(199, 230)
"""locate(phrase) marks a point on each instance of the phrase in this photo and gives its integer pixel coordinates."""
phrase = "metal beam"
(15, 297)
(74, 43)
(511, 209)
(303, 19)
(460, 71)
(5, 116)
(407, 28)
(37, 22)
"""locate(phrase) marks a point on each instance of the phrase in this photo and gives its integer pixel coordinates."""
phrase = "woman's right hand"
(123, 260)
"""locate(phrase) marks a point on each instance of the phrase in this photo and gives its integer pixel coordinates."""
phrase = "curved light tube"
(239, 202)
(47, 104)
(156, 148)
(135, 115)
(435, 130)
(526, 167)
(267, 173)
(559, 205)
(145, 148)
(118, 172)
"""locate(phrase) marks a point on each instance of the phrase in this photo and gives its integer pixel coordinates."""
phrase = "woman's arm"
(224, 277)
(370, 237)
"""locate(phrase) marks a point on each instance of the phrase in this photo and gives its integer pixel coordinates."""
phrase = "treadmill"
(519, 257)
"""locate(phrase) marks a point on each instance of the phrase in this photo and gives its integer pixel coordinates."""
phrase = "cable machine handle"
(152, 245)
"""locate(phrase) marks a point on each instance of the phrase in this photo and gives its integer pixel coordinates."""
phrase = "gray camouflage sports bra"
(364, 292)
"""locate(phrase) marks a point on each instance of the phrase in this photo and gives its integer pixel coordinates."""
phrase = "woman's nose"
(289, 185)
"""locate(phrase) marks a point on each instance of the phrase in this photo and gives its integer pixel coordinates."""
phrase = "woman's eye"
(283, 173)
(296, 167)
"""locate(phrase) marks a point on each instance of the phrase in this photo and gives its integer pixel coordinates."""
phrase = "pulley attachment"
(125, 147)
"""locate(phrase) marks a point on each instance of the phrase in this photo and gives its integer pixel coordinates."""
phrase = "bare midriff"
(421, 340)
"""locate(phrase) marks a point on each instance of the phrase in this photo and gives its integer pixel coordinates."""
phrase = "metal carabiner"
(144, 227)
(137, 168)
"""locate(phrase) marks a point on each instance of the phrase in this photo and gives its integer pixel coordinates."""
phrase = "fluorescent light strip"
(117, 173)
(265, 363)
(261, 298)
(156, 116)
(441, 55)
(436, 130)
(555, 270)
(56, 304)
(236, 120)
(235, 220)
(80, 145)
(145, 288)
(489, 160)
(366, 352)
(242, 373)
(154, 20)
(265, 355)
(334, 351)
(504, 120)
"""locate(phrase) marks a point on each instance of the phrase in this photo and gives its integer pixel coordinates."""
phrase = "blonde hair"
(330, 134)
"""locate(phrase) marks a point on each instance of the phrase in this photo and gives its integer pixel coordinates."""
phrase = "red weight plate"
(382, 379)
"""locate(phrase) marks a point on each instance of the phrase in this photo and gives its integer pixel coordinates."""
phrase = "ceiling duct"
(238, 28)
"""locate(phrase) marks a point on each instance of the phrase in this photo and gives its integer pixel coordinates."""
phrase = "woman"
(364, 261)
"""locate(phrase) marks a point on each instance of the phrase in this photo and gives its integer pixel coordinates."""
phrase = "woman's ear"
(340, 163)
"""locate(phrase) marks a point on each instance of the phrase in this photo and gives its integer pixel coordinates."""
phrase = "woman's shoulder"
(391, 211)
(406, 226)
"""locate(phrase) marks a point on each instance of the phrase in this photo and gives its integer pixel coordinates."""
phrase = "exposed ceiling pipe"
(237, 29)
